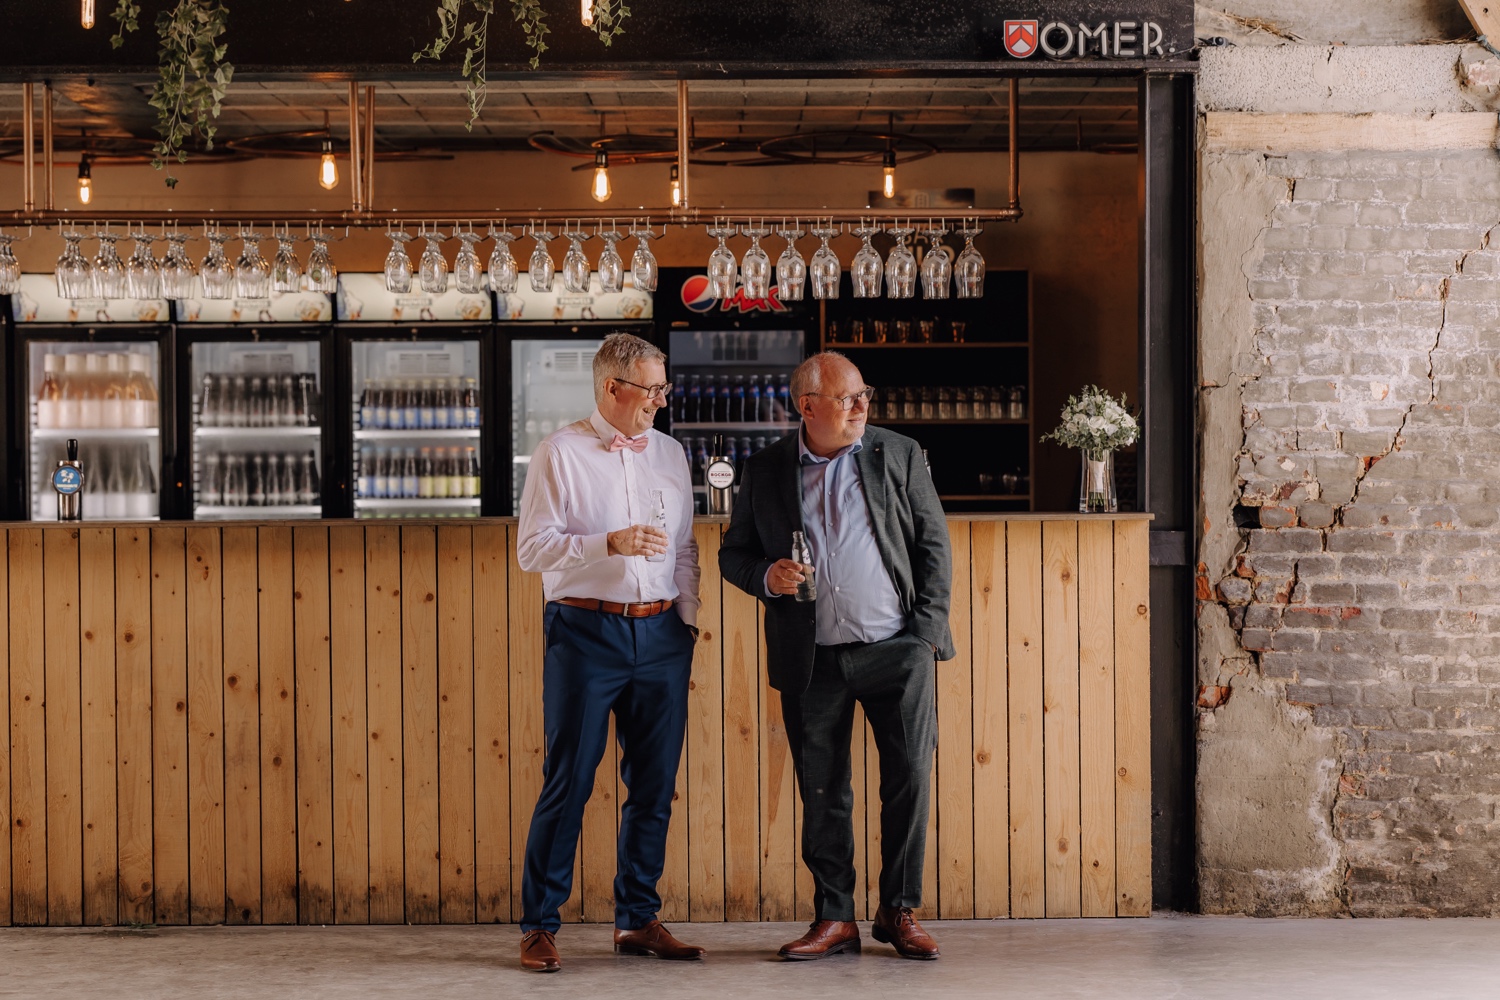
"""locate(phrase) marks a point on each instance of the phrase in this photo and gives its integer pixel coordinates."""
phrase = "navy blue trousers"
(637, 668)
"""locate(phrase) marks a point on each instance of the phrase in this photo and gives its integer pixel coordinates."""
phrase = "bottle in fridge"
(552, 384)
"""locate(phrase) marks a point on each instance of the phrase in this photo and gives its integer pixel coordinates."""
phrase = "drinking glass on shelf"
(856, 331)
(968, 270)
(10, 267)
(432, 269)
(504, 272)
(611, 266)
(643, 267)
(998, 395)
(925, 330)
(1015, 400)
(893, 399)
(178, 275)
(216, 271)
(722, 273)
(397, 263)
(945, 410)
(142, 272)
(882, 330)
(901, 331)
(541, 269)
(791, 269)
(322, 276)
(252, 273)
(834, 331)
(957, 327)
(929, 404)
(109, 270)
(937, 265)
(910, 403)
(900, 267)
(286, 272)
(825, 269)
(468, 269)
(962, 403)
(755, 265)
(866, 269)
(575, 268)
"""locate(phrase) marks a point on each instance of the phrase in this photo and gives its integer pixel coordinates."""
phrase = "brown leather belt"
(642, 609)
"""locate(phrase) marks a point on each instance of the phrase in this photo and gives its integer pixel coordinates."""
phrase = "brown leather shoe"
(539, 952)
(654, 939)
(823, 938)
(898, 928)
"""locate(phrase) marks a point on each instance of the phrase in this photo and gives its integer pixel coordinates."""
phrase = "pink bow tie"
(621, 442)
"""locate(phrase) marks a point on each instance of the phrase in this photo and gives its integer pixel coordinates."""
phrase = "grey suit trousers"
(893, 681)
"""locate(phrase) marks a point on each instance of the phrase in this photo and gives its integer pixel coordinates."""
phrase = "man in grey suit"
(879, 543)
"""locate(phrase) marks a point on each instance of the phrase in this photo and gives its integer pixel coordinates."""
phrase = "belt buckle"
(638, 609)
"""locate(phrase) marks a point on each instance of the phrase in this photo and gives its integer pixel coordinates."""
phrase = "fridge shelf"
(52, 433)
(412, 503)
(204, 511)
(257, 432)
(736, 426)
(412, 435)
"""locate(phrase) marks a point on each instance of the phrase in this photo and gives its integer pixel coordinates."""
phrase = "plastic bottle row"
(96, 389)
(119, 481)
(261, 479)
(413, 474)
(270, 400)
(731, 399)
(419, 404)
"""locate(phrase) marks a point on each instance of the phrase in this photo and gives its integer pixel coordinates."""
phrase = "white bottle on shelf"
(49, 394)
(68, 403)
(91, 401)
(140, 392)
(114, 380)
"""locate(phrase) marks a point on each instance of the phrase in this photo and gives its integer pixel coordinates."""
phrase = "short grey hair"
(617, 358)
(808, 376)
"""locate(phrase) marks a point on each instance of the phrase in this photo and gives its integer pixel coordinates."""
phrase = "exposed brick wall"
(1367, 586)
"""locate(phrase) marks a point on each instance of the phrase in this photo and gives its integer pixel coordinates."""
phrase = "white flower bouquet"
(1096, 424)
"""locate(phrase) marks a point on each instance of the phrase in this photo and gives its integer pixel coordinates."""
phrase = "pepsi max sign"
(697, 297)
(1122, 39)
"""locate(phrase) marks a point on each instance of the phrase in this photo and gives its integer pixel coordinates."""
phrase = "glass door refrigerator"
(415, 395)
(96, 370)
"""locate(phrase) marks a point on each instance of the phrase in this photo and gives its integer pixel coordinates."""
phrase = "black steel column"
(1167, 478)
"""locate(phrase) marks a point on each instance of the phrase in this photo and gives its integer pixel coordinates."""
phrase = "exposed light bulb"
(676, 188)
(586, 15)
(87, 14)
(601, 189)
(328, 169)
(85, 180)
(889, 169)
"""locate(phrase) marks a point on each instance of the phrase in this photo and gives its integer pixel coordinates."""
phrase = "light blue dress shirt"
(857, 599)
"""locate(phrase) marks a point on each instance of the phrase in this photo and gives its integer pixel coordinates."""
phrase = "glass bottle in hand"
(657, 512)
(807, 590)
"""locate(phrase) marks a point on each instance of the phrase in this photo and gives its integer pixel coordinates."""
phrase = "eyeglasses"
(847, 402)
(663, 389)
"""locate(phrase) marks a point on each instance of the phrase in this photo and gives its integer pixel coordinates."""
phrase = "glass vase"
(1096, 485)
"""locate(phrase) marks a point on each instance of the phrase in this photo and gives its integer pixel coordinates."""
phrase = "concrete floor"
(1166, 956)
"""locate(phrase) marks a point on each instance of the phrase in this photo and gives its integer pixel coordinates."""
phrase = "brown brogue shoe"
(823, 938)
(539, 952)
(655, 939)
(898, 928)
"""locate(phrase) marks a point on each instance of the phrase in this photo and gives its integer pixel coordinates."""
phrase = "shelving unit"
(114, 433)
(219, 512)
(255, 433)
(419, 434)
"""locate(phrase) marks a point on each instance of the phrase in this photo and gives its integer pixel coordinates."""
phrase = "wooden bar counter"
(340, 722)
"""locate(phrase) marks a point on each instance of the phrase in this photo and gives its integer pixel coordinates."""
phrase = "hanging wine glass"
(968, 270)
(432, 269)
(791, 269)
(322, 276)
(216, 271)
(865, 270)
(722, 273)
(109, 270)
(504, 271)
(611, 266)
(142, 272)
(252, 272)
(643, 262)
(468, 269)
(286, 272)
(755, 265)
(900, 267)
(937, 265)
(825, 269)
(177, 272)
(397, 263)
(575, 270)
(10, 267)
(540, 268)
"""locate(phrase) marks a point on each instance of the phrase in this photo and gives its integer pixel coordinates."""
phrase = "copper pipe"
(356, 166)
(28, 144)
(48, 200)
(370, 149)
(683, 124)
(1015, 144)
(514, 217)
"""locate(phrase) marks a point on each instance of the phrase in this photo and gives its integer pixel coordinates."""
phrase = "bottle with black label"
(720, 478)
(807, 590)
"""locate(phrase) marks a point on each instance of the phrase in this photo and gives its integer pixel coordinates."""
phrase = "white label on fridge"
(412, 361)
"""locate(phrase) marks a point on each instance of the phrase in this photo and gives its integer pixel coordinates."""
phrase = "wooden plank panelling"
(492, 843)
(528, 742)
(346, 641)
(205, 624)
(133, 723)
(705, 741)
(419, 693)
(96, 619)
(28, 730)
(64, 728)
(384, 676)
(953, 793)
(778, 836)
(1060, 714)
(1132, 719)
(455, 588)
(594, 874)
(169, 722)
(1096, 714)
(741, 755)
(278, 729)
(1023, 575)
(864, 870)
(241, 562)
(5, 823)
(673, 885)
(991, 722)
(314, 726)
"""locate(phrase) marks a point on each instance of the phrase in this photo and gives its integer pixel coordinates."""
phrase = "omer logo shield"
(1021, 38)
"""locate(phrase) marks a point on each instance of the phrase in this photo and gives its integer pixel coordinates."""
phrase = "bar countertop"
(477, 521)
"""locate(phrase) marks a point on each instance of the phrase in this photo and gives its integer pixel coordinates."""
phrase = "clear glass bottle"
(656, 512)
(807, 590)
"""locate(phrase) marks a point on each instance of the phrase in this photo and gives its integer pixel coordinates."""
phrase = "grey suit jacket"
(910, 528)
